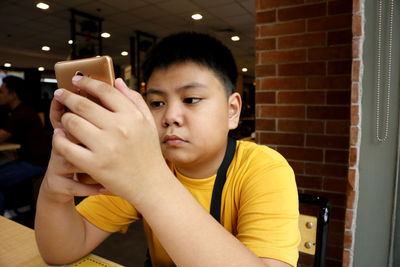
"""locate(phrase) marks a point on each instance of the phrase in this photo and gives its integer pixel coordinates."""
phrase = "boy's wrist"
(152, 185)
(50, 195)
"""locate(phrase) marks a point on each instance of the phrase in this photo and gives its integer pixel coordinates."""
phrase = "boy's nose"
(173, 116)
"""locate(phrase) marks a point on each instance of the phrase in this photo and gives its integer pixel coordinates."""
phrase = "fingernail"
(57, 130)
(58, 92)
(76, 78)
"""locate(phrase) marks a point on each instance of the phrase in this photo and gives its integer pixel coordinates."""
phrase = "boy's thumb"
(135, 97)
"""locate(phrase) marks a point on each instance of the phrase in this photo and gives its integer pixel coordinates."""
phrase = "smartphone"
(99, 68)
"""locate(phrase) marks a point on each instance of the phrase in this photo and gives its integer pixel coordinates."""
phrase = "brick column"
(303, 75)
(354, 134)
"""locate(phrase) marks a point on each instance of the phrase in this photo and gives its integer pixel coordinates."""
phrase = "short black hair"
(193, 47)
(15, 84)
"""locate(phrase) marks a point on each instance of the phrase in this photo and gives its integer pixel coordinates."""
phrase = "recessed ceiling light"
(45, 48)
(244, 69)
(197, 16)
(7, 65)
(235, 38)
(48, 80)
(105, 35)
(40, 69)
(70, 42)
(42, 5)
(124, 53)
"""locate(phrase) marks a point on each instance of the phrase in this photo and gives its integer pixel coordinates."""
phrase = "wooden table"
(18, 248)
(9, 146)
(8, 152)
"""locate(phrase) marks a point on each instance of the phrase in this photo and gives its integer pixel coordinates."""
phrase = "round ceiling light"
(105, 35)
(197, 16)
(43, 6)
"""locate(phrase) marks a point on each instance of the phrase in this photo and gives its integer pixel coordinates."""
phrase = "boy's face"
(193, 116)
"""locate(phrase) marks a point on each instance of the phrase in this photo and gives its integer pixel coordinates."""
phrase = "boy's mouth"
(173, 140)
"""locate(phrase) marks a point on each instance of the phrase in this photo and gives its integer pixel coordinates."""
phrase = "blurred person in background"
(22, 126)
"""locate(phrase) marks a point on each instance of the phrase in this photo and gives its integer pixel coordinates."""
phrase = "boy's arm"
(188, 233)
(275, 263)
(62, 235)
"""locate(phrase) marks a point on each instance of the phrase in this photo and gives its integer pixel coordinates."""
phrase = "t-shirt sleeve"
(268, 213)
(109, 213)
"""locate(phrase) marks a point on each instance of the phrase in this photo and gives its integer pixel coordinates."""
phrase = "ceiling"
(25, 28)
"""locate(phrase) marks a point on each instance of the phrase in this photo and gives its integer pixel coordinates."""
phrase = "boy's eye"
(191, 100)
(155, 104)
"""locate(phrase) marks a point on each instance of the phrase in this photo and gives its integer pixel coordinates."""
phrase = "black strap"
(147, 261)
(215, 208)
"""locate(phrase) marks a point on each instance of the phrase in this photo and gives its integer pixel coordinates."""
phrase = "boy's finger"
(56, 111)
(73, 153)
(73, 188)
(79, 189)
(56, 159)
(82, 106)
(135, 97)
(111, 99)
(81, 130)
(63, 167)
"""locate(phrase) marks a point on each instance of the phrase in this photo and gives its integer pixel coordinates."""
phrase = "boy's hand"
(59, 183)
(120, 147)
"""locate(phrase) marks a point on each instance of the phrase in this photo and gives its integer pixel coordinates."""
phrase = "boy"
(160, 163)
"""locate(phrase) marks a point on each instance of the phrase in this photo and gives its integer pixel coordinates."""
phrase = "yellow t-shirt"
(259, 206)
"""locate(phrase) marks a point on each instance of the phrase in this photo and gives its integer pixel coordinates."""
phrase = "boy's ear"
(234, 109)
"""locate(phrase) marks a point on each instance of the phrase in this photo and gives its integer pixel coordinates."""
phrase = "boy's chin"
(177, 158)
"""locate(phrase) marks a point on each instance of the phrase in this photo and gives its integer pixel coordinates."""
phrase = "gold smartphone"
(99, 68)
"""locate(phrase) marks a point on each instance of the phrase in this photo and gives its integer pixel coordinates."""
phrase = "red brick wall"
(354, 134)
(303, 75)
